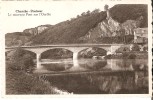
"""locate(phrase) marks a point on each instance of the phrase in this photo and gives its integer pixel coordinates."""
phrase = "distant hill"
(16, 38)
(94, 25)
(23, 38)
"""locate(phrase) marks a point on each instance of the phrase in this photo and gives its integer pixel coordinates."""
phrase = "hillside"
(124, 12)
(22, 38)
(70, 31)
(16, 38)
(96, 26)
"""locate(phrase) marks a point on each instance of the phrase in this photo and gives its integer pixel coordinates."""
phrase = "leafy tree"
(21, 60)
(132, 56)
(106, 7)
(122, 49)
(28, 62)
(135, 47)
(95, 11)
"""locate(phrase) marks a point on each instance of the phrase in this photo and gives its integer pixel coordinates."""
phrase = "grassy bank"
(20, 82)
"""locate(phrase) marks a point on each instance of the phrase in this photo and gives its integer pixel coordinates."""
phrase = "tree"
(21, 60)
(96, 11)
(135, 47)
(106, 7)
(28, 62)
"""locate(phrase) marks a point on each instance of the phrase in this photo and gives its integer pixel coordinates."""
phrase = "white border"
(2, 59)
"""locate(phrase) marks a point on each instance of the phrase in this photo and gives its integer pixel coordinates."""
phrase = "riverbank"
(20, 82)
(128, 55)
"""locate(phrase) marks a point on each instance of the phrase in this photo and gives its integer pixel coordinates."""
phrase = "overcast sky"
(60, 11)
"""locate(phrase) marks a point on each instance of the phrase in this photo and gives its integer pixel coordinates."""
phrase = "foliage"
(116, 39)
(93, 52)
(19, 82)
(132, 56)
(145, 48)
(72, 30)
(57, 53)
(135, 47)
(125, 55)
(122, 49)
(123, 12)
(21, 60)
(16, 38)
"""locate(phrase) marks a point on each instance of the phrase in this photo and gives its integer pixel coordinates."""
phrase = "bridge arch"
(55, 52)
(94, 51)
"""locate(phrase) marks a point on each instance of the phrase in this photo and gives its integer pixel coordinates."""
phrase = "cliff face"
(105, 28)
(36, 30)
(110, 27)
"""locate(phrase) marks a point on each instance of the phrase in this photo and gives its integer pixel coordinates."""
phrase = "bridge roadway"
(74, 48)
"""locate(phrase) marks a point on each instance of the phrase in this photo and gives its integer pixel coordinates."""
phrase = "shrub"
(21, 60)
(125, 55)
(19, 82)
(108, 56)
(132, 56)
(135, 47)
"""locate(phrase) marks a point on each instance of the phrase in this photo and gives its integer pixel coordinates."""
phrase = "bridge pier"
(75, 59)
(38, 61)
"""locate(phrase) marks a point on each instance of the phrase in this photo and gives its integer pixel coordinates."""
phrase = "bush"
(108, 56)
(19, 82)
(135, 47)
(21, 60)
(132, 56)
(125, 55)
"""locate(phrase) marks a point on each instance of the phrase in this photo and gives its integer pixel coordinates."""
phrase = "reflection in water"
(109, 76)
(99, 83)
(93, 65)
(56, 67)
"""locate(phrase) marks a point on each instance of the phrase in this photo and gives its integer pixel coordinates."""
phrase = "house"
(141, 35)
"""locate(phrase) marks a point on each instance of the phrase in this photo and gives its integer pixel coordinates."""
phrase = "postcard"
(76, 48)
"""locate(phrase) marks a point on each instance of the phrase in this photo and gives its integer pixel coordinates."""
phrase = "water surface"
(111, 76)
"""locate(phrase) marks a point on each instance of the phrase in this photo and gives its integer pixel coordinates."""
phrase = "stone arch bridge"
(74, 48)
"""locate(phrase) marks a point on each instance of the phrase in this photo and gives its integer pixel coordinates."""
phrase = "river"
(88, 76)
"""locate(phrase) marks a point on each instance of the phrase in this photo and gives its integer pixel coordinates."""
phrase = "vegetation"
(57, 53)
(129, 55)
(116, 39)
(22, 60)
(123, 12)
(18, 81)
(16, 38)
(71, 30)
(93, 52)
(135, 47)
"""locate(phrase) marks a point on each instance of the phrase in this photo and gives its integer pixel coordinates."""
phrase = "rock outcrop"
(37, 30)
(110, 27)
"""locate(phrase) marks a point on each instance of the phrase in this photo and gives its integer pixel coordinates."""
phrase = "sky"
(59, 10)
